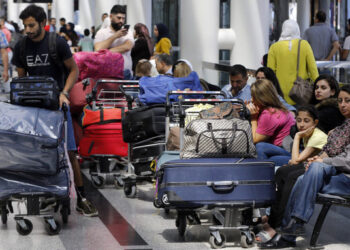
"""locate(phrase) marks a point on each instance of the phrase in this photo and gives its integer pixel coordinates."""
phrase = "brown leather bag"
(225, 110)
(173, 142)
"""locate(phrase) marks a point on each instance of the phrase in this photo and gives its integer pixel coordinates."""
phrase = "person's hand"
(330, 132)
(307, 132)
(5, 76)
(120, 33)
(311, 160)
(253, 109)
(63, 99)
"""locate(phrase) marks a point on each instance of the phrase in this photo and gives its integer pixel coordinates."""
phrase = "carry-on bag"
(207, 181)
(35, 91)
(31, 139)
(143, 123)
(218, 138)
(78, 95)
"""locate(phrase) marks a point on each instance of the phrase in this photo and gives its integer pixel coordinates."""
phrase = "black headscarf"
(73, 35)
(163, 31)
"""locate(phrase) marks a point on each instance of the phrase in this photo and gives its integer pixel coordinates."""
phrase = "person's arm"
(310, 61)
(125, 47)
(335, 48)
(341, 161)
(72, 67)
(5, 61)
(254, 113)
(344, 54)
(298, 156)
(106, 43)
(271, 60)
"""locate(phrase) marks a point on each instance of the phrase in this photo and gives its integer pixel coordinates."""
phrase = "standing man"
(116, 38)
(37, 61)
(322, 38)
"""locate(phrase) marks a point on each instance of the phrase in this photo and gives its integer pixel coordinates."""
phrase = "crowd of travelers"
(309, 143)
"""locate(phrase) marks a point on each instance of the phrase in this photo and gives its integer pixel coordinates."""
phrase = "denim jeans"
(320, 177)
(268, 151)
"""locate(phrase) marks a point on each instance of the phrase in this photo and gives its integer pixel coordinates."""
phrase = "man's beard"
(116, 26)
(35, 35)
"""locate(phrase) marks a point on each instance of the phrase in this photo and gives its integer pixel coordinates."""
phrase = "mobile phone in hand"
(126, 26)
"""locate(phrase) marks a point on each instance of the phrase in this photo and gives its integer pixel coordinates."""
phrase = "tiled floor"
(135, 224)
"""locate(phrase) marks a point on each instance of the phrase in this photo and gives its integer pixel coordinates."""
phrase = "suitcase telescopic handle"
(120, 82)
(128, 98)
(222, 186)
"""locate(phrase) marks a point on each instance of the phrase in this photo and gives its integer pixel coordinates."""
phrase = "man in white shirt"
(115, 37)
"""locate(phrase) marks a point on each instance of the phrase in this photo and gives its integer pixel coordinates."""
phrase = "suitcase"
(15, 183)
(31, 139)
(206, 181)
(103, 139)
(143, 123)
(78, 95)
(35, 91)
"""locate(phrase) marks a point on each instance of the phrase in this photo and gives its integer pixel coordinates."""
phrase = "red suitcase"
(103, 139)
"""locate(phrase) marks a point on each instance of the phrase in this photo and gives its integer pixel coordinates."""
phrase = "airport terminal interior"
(131, 213)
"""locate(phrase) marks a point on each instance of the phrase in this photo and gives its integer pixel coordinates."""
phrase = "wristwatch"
(65, 93)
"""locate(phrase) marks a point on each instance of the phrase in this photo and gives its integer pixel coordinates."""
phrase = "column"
(140, 12)
(63, 8)
(12, 12)
(325, 6)
(86, 14)
(303, 15)
(251, 33)
(199, 27)
(103, 6)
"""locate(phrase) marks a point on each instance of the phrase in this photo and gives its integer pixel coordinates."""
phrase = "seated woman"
(267, 73)
(326, 174)
(270, 119)
(325, 91)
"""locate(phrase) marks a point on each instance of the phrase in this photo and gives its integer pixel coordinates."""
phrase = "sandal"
(263, 237)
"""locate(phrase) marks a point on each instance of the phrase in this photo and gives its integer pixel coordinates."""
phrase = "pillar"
(303, 15)
(63, 8)
(86, 14)
(252, 34)
(103, 6)
(140, 11)
(325, 6)
(199, 27)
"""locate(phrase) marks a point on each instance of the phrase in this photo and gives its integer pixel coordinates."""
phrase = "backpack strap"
(53, 54)
(22, 52)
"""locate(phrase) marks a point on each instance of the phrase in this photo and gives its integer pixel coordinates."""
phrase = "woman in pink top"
(270, 120)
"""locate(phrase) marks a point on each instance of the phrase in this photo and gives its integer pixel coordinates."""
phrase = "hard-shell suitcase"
(103, 139)
(31, 139)
(35, 91)
(143, 123)
(207, 181)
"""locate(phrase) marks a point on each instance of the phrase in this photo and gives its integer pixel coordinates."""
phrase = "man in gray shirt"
(322, 38)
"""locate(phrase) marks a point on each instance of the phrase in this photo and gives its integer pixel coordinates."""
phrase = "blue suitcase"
(193, 183)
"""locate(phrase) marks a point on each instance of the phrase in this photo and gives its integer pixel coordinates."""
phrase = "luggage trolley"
(106, 152)
(143, 146)
(32, 188)
(213, 195)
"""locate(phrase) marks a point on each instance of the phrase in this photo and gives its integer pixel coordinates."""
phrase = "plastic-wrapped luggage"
(207, 181)
(31, 139)
(144, 122)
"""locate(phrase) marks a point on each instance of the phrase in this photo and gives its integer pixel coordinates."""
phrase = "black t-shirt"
(39, 63)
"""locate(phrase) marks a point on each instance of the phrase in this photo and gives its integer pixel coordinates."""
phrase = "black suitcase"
(143, 123)
(35, 91)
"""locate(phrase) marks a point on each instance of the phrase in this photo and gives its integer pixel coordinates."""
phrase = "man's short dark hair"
(104, 14)
(165, 58)
(62, 19)
(238, 69)
(34, 11)
(118, 9)
(86, 32)
(52, 18)
(321, 16)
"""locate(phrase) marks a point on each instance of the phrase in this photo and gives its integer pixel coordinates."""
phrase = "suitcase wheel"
(65, 211)
(24, 226)
(130, 191)
(217, 243)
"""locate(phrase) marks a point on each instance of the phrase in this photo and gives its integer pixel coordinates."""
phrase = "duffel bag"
(100, 115)
(35, 91)
(100, 64)
(218, 138)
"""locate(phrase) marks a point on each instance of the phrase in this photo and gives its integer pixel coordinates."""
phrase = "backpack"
(52, 53)
(15, 37)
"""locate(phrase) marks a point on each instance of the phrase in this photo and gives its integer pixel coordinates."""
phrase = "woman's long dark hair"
(270, 75)
(163, 31)
(142, 32)
(333, 84)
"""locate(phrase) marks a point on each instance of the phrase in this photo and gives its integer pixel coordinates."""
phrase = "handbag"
(302, 90)
(225, 110)
(218, 138)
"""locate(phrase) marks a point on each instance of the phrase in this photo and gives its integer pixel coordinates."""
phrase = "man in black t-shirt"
(37, 61)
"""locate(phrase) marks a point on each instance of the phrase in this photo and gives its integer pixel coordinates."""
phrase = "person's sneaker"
(47, 204)
(86, 208)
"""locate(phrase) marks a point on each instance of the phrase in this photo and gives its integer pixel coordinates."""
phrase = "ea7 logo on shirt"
(38, 60)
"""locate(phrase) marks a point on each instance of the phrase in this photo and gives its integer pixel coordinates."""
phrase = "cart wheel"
(98, 181)
(118, 184)
(166, 210)
(157, 203)
(245, 243)
(181, 223)
(64, 214)
(24, 229)
(215, 244)
(53, 230)
(4, 213)
(130, 191)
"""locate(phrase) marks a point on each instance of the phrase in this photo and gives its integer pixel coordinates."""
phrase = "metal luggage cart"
(107, 93)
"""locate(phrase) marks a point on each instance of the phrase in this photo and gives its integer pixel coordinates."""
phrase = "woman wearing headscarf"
(71, 36)
(143, 47)
(163, 44)
(282, 58)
